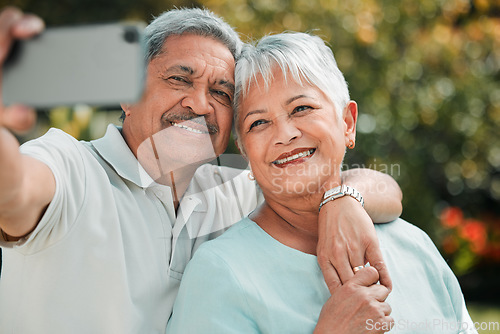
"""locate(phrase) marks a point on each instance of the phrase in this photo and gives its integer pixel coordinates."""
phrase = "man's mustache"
(178, 117)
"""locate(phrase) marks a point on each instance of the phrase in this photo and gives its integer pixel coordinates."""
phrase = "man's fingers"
(331, 276)
(16, 25)
(18, 118)
(378, 292)
(386, 323)
(366, 276)
(8, 17)
(386, 308)
(374, 256)
(28, 26)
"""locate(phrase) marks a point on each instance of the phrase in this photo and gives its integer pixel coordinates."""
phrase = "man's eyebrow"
(227, 84)
(253, 112)
(181, 68)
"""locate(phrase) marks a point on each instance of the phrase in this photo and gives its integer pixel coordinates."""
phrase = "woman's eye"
(301, 108)
(257, 123)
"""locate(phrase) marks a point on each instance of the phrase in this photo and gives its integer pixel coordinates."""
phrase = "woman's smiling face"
(292, 135)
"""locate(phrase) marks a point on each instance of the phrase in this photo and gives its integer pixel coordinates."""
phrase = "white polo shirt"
(109, 252)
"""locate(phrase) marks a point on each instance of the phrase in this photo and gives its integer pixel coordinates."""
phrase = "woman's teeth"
(293, 157)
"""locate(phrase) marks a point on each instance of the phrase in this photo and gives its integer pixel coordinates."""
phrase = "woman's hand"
(347, 239)
(358, 306)
(14, 24)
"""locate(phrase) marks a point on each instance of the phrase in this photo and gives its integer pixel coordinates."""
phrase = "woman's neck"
(294, 227)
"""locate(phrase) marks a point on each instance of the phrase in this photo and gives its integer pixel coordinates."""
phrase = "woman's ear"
(242, 152)
(350, 119)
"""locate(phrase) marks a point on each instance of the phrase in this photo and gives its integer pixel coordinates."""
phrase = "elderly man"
(96, 235)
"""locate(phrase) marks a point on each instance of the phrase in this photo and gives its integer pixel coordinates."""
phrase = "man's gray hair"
(304, 57)
(196, 21)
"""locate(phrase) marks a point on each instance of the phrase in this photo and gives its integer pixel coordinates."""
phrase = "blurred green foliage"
(425, 74)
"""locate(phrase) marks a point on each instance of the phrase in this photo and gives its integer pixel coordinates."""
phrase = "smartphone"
(98, 65)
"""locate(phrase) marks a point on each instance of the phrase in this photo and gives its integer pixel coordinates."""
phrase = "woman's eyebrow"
(253, 112)
(290, 100)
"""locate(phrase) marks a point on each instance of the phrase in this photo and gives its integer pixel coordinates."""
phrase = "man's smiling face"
(186, 106)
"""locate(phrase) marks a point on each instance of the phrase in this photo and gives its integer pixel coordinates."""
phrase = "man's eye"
(222, 94)
(222, 97)
(177, 79)
(257, 123)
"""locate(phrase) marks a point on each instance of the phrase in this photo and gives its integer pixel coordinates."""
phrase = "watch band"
(339, 192)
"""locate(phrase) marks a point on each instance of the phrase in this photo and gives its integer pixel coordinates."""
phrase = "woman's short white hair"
(303, 56)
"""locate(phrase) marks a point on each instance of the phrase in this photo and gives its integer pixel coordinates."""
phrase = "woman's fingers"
(374, 257)
(344, 231)
(330, 274)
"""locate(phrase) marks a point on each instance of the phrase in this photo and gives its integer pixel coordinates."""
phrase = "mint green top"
(245, 281)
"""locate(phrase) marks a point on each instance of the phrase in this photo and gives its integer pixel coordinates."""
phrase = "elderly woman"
(294, 121)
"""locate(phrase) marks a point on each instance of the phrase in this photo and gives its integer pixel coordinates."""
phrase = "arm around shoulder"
(380, 191)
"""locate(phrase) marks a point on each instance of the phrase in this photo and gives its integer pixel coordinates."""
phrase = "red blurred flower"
(451, 217)
(475, 232)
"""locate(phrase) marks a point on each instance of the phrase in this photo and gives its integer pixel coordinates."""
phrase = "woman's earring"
(351, 144)
(250, 176)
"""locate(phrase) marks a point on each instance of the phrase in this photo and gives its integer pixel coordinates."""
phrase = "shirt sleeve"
(210, 299)
(62, 154)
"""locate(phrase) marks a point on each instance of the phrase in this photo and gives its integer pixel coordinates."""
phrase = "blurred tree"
(426, 77)
(424, 73)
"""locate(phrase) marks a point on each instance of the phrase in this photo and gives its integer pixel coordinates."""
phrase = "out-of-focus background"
(426, 76)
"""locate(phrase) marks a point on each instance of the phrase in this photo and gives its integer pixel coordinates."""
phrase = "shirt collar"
(113, 148)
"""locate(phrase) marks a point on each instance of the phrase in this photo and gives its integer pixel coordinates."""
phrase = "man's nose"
(285, 131)
(198, 101)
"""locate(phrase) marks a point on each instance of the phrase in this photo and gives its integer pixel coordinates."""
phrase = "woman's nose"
(286, 131)
(197, 101)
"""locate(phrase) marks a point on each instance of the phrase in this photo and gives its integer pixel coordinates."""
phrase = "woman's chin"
(291, 187)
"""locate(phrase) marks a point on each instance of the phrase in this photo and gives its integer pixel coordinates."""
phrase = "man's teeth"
(187, 128)
(293, 157)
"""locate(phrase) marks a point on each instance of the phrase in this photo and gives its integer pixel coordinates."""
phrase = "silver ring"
(358, 268)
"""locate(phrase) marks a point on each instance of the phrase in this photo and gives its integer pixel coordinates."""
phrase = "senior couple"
(96, 235)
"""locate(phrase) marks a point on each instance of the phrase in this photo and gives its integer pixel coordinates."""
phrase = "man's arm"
(347, 237)
(26, 185)
(380, 191)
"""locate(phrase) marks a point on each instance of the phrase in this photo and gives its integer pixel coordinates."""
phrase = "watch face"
(333, 192)
(341, 191)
